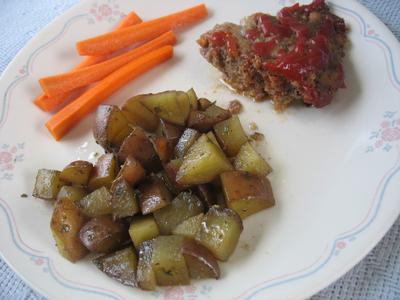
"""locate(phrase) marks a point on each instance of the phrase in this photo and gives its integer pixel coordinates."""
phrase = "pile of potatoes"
(167, 199)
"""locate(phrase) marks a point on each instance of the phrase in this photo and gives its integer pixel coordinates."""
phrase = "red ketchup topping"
(221, 39)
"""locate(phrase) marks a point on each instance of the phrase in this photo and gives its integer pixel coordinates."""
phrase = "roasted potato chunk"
(187, 139)
(132, 171)
(190, 227)
(171, 132)
(230, 135)
(124, 202)
(169, 175)
(163, 148)
(204, 103)
(104, 172)
(200, 262)
(102, 234)
(202, 163)
(72, 193)
(77, 172)
(48, 184)
(250, 161)
(246, 193)
(168, 262)
(138, 115)
(192, 99)
(97, 203)
(110, 127)
(212, 138)
(220, 231)
(207, 194)
(66, 222)
(120, 265)
(145, 275)
(184, 206)
(171, 106)
(143, 228)
(204, 121)
(153, 195)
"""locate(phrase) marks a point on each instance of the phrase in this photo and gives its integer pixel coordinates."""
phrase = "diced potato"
(192, 99)
(138, 145)
(120, 265)
(71, 193)
(143, 228)
(168, 262)
(230, 135)
(171, 106)
(102, 234)
(171, 132)
(153, 195)
(207, 194)
(123, 199)
(190, 227)
(200, 262)
(146, 278)
(163, 148)
(186, 140)
(66, 222)
(48, 184)
(110, 127)
(250, 161)
(202, 163)
(169, 175)
(77, 172)
(220, 231)
(97, 203)
(204, 121)
(246, 193)
(138, 115)
(212, 138)
(204, 103)
(104, 172)
(132, 171)
(184, 206)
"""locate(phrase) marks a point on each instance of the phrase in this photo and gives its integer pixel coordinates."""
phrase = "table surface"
(377, 276)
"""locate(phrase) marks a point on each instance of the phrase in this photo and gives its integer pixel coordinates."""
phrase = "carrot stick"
(50, 103)
(71, 114)
(62, 83)
(109, 42)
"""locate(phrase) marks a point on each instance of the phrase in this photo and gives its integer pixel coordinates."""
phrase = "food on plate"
(166, 200)
(293, 57)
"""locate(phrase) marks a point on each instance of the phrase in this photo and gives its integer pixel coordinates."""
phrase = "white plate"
(336, 172)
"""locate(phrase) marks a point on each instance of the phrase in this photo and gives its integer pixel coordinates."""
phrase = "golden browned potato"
(102, 234)
(104, 172)
(204, 121)
(110, 127)
(66, 222)
(246, 193)
(212, 138)
(72, 193)
(171, 106)
(163, 148)
(124, 202)
(207, 194)
(143, 228)
(200, 262)
(138, 115)
(184, 206)
(250, 161)
(168, 262)
(171, 132)
(48, 184)
(145, 275)
(230, 135)
(97, 203)
(220, 231)
(190, 227)
(132, 171)
(204, 103)
(169, 175)
(138, 145)
(153, 195)
(120, 265)
(187, 139)
(192, 99)
(77, 172)
(202, 163)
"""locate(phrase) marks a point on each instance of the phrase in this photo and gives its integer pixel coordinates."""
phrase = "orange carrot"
(110, 42)
(71, 114)
(62, 83)
(50, 103)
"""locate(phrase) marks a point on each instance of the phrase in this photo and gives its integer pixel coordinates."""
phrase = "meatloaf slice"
(295, 56)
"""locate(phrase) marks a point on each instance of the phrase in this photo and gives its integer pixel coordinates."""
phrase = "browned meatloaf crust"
(295, 56)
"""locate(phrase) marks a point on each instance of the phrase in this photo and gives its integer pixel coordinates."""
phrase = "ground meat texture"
(295, 56)
(235, 107)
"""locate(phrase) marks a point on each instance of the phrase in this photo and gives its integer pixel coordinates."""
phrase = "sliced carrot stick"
(51, 103)
(110, 42)
(62, 83)
(71, 114)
